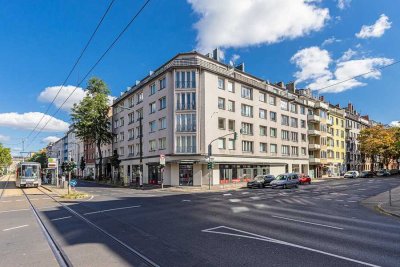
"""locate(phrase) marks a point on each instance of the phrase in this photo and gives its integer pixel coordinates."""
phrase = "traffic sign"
(52, 163)
(74, 182)
(162, 159)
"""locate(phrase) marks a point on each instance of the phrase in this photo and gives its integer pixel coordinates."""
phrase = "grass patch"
(75, 195)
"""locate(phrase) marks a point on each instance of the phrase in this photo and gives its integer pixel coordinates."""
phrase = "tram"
(28, 174)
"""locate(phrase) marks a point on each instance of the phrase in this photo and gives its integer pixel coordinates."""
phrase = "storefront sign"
(52, 163)
(162, 159)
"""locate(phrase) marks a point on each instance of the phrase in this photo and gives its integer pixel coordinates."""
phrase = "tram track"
(60, 255)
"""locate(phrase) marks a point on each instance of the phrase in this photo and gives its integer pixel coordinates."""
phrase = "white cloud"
(395, 124)
(375, 30)
(48, 94)
(330, 41)
(314, 70)
(226, 23)
(4, 138)
(50, 139)
(28, 121)
(342, 4)
(347, 55)
(234, 58)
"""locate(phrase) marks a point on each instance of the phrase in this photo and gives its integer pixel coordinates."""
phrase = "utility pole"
(23, 149)
(141, 151)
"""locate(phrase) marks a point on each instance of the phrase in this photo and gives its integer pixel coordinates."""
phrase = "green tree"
(115, 162)
(90, 117)
(5, 157)
(83, 164)
(40, 157)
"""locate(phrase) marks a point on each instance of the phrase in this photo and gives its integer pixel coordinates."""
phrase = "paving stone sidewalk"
(381, 202)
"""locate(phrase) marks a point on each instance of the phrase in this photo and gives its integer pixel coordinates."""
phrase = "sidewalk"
(54, 189)
(381, 202)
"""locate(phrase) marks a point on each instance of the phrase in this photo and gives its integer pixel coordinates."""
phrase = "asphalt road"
(314, 225)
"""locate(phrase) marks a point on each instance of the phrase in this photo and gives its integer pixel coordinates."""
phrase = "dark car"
(366, 174)
(304, 179)
(383, 172)
(286, 180)
(260, 181)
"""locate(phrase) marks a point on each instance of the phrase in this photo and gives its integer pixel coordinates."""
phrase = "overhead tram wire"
(74, 66)
(359, 75)
(94, 66)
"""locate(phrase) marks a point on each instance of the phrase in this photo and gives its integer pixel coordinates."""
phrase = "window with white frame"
(152, 107)
(186, 122)
(186, 101)
(272, 100)
(294, 122)
(162, 143)
(284, 135)
(263, 130)
(247, 93)
(285, 120)
(163, 83)
(131, 150)
(263, 147)
(262, 113)
(247, 128)
(231, 144)
(152, 145)
(131, 101)
(272, 116)
(139, 97)
(221, 103)
(231, 106)
(284, 105)
(221, 143)
(273, 148)
(302, 110)
(273, 132)
(139, 113)
(294, 136)
(121, 136)
(231, 125)
(162, 123)
(293, 108)
(153, 89)
(131, 117)
(247, 110)
(137, 149)
(163, 102)
(230, 87)
(185, 79)
(303, 151)
(295, 151)
(121, 151)
(221, 84)
(131, 134)
(262, 97)
(247, 146)
(153, 126)
(303, 124)
(285, 150)
(186, 144)
(303, 137)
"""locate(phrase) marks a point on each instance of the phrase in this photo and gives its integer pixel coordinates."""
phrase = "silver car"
(286, 180)
(351, 174)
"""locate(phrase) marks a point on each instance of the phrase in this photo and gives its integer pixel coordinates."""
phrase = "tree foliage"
(40, 157)
(5, 157)
(83, 164)
(90, 116)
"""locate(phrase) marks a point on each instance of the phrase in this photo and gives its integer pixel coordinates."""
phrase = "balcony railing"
(314, 132)
(185, 84)
(313, 118)
(314, 146)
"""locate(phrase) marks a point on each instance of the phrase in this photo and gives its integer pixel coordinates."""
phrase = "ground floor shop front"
(193, 171)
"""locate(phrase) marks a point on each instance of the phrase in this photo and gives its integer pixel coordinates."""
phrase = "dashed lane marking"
(13, 210)
(228, 194)
(107, 210)
(235, 200)
(16, 227)
(318, 224)
(61, 218)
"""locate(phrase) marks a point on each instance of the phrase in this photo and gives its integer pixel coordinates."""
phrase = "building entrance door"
(185, 174)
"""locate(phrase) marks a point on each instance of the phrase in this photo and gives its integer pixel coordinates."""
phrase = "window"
(163, 102)
(152, 145)
(293, 122)
(303, 151)
(138, 132)
(303, 123)
(131, 101)
(273, 132)
(221, 143)
(273, 148)
(263, 130)
(285, 150)
(294, 136)
(230, 87)
(221, 103)
(162, 123)
(186, 144)
(231, 105)
(139, 97)
(152, 126)
(221, 84)
(303, 137)
(247, 93)
(186, 122)
(231, 144)
(121, 136)
(121, 151)
(263, 147)
(272, 116)
(285, 135)
(262, 97)
(131, 134)
(153, 89)
(186, 101)
(131, 117)
(262, 113)
(247, 146)
(131, 150)
(163, 83)
(247, 110)
(285, 120)
(152, 107)
(284, 105)
(139, 113)
(137, 149)
(121, 122)
(185, 79)
(247, 128)
(272, 100)
(302, 110)
(295, 151)
(162, 143)
(221, 123)
(231, 125)
(293, 108)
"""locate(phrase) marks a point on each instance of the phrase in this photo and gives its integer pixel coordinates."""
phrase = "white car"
(351, 174)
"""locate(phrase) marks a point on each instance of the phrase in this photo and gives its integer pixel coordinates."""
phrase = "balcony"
(314, 146)
(321, 105)
(315, 161)
(329, 122)
(313, 118)
(313, 132)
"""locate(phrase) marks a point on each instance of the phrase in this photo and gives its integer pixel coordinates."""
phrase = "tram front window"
(30, 171)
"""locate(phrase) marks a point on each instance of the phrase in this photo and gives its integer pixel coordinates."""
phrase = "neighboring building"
(107, 152)
(89, 153)
(336, 140)
(194, 99)
(75, 149)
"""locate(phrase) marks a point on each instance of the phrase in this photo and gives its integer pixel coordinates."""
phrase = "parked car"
(286, 180)
(382, 173)
(394, 171)
(260, 181)
(304, 179)
(351, 174)
(367, 174)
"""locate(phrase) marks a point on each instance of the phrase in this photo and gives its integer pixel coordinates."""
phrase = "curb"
(48, 189)
(379, 207)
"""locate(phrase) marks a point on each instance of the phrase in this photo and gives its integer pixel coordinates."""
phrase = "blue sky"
(316, 43)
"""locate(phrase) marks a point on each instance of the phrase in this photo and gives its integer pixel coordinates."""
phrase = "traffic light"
(210, 165)
(235, 136)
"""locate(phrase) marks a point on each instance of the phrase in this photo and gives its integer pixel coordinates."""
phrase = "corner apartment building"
(194, 99)
(336, 140)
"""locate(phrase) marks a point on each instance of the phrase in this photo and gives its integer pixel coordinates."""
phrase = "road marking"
(339, 200)
(4, 201)
(235, 200)
(239, 209)
(101, 211)
(20, 200)
(229, 194)
(13, 210)
(351, 201)
(318, 224)
(245, 193)
(186, 200)
(61, 218)
(268, 239)
(16, 227)
(255, 198)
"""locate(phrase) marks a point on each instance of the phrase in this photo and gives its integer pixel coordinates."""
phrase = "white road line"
(20, 200)
(61, 218)
(339, 200)
(351, 201)
(323, 225)
(186, 200)
(13, 210)
(5, 201)
(235, 200)
(229, 194)
(255, 198)
(245, 193)
(267, 239)
(101, 211)
(16, 227)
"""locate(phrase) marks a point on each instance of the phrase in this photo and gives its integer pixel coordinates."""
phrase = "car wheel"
(284, 186)
(260, 186)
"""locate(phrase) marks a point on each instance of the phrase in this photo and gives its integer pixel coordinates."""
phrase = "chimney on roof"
(137, 82)
(337, 105)
(350, 107)
(291, 87)
(281, 85)
(321, 98)
(216, 54)
(240, 67)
